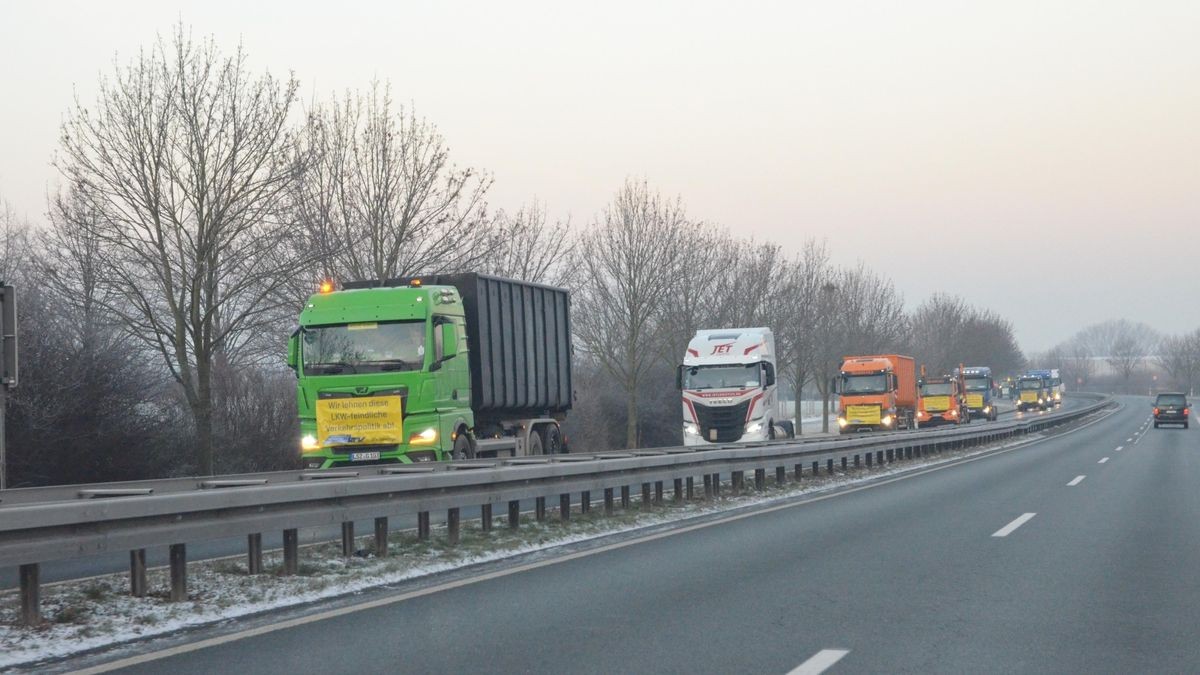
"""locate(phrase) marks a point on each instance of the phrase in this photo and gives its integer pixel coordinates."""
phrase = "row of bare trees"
(1115, 355)
(201, 203)
(651, 276)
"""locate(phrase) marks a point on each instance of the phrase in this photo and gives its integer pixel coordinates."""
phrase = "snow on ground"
(98, 612)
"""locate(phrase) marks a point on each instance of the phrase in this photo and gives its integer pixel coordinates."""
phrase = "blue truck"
(980, 391)
(1053, 381)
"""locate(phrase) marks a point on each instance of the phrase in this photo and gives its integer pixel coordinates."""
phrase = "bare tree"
(628, 261)
(1179, 357)
(529, 247)
(381, 198)
(800, 308)
(186, 159)
(947, 332)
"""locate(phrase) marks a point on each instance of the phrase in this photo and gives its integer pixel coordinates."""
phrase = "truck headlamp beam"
(309, 442)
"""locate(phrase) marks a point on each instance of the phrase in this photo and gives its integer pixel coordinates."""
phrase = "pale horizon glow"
(1041, 159)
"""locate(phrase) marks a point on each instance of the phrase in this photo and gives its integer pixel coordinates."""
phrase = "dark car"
(1171, 409)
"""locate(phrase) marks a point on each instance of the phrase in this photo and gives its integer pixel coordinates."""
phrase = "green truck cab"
(431, 368)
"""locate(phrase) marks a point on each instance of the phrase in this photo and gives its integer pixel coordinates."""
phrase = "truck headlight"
(886, 420)
(690, 429)
(954, 413)
(426, 437)
(842, 422)
(987, 410)
(309, 442)
(754, 427)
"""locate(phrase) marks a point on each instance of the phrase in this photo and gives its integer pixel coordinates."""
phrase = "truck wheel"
(535, 444)
(462, 447)
(552, 443)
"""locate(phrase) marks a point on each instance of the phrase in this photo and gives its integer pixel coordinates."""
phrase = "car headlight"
(426, 437)
(690, 429)
(754, 427)
(842, 422)
(309, 442)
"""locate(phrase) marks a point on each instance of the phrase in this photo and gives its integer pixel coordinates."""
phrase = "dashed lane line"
(819, 662)
(1102, 460)
(1011, 527)
(1076, 481)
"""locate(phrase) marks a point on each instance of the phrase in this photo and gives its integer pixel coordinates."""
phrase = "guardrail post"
(870, 458)
(423, 525)
(780, 475)
(178, 556)
(845, 463)
(708, 493)
(891, 455)
(381, 537)
(799, 472)
(137, 573)
(539, 509)
(658, 493)
(514, 514)
(608, 501)
(735, 482)
(691, 488)
(485, 517)
(452, 525)
(816, 469)
(879, 458)
(716, 485)
(347, 539)
(908, 452)
(254, 553)
(291, 552)
(31, 595)
(585, 501)
(829, 466)
(760, 479)
(564, 506)
(646, 497)
(678, 485)
(626, 501)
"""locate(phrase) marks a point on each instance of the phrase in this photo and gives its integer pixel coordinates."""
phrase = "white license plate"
(363, 456)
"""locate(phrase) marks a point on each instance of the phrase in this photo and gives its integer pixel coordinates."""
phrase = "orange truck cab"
(942, 401)
(877, 393)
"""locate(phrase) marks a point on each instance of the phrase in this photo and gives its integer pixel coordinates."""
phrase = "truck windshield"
(937, 388)
(721, 377)
(1029, 384)
(364, 347)
(864, 384)
(977, 384)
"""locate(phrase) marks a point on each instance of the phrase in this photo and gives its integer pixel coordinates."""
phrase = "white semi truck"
(728, 384)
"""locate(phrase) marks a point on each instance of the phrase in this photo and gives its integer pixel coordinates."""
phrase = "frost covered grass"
(99, 612)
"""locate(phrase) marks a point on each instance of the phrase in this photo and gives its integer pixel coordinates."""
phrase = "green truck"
(430, 368)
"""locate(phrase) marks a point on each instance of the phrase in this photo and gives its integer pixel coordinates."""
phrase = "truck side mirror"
(770, 375)
(895, 381)
(293, 352)
(835, 385)
(679, 377)
(449, 341)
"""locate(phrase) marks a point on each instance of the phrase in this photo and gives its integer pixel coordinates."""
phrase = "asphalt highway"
(1007, 563)
(79, 568)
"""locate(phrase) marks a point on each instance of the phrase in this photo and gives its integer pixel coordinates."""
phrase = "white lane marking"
(820, 662)
(1009, 528)
(450, 585)
(1129, 440)
(1076, 481)
(1119, 448)
(1102, 460)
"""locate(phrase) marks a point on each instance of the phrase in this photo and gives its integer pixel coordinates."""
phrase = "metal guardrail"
(78, 521)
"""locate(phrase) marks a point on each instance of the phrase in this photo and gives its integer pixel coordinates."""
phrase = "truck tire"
(462, 447)
(789, 429)
(535, 444)
(552, 440)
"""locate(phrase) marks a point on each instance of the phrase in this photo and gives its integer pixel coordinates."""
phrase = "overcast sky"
(1040, 158)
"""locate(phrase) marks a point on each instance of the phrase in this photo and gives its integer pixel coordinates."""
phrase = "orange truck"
(942, 401)
(876, 393)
